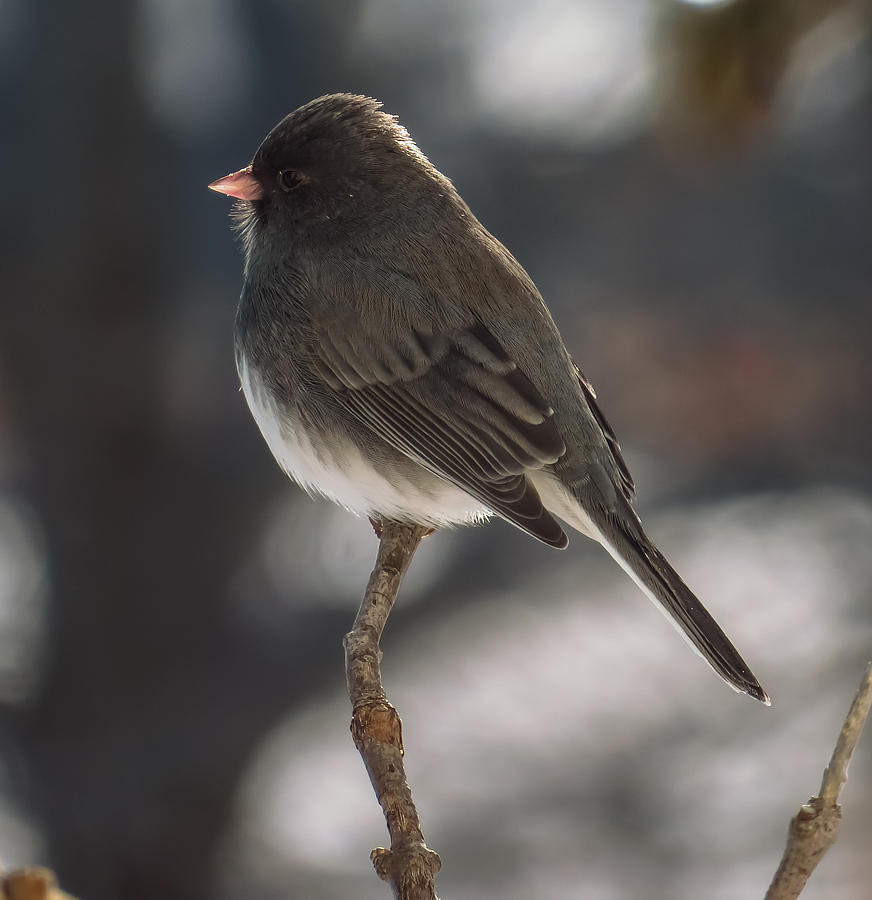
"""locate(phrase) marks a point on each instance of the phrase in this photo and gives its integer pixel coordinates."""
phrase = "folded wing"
(456, 404)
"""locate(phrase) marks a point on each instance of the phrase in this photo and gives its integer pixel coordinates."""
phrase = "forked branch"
(814, 829)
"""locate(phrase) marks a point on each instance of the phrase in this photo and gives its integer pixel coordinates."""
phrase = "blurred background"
(690, 185)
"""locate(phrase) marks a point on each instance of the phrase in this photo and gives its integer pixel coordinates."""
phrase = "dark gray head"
(334, 166)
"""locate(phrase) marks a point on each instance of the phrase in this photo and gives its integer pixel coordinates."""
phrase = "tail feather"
(647, 566)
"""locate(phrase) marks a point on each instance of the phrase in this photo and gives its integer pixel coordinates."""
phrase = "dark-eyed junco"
(399, 360)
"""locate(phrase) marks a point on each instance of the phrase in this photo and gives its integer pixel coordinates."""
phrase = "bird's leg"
(377, 528)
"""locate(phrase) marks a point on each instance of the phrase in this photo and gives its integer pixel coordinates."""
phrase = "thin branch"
(409, 866)
(814, 829)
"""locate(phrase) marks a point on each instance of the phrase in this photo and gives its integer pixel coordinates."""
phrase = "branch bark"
(409, 866)
(814, 829)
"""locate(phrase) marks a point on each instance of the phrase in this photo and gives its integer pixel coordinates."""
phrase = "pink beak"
(242, 185)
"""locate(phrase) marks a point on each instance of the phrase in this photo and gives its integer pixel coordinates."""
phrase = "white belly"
(347, 478)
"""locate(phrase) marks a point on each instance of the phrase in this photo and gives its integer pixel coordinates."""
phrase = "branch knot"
(378, 721)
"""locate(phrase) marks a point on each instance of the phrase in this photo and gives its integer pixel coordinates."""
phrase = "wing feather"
(458, 405)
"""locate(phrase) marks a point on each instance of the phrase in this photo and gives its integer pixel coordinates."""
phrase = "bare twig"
(814, 829)
(409, 866)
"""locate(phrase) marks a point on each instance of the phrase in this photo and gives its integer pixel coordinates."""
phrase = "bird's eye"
(290, 179)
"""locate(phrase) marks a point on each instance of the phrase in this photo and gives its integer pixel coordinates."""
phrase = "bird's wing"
(454, 402)
(624, 478)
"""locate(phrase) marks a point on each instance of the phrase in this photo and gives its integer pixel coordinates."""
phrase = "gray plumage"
(399, 360)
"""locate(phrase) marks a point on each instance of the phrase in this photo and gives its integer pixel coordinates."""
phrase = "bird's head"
(334, 166)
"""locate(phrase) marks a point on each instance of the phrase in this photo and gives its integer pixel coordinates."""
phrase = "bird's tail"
(646, 565)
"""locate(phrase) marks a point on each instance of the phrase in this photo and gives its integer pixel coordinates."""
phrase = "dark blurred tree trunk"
(141, 524)
(153, 697)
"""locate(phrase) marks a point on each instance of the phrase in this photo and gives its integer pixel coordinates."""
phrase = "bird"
(399, 361)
